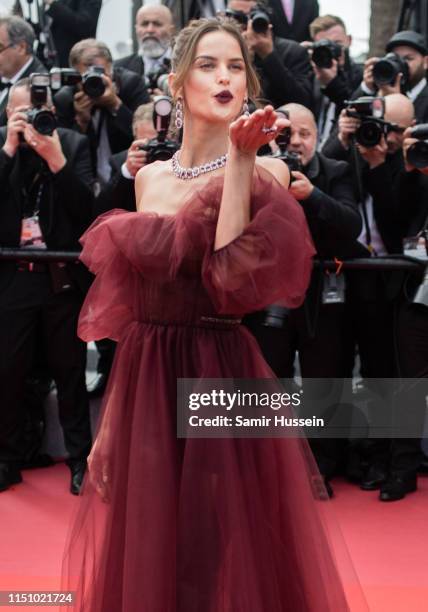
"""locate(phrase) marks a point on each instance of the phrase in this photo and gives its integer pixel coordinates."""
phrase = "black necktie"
(5, 85)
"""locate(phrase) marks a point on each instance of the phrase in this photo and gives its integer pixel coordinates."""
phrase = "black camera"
(93, 83)
(160, 148)
(43, 120)
(260, 20)
(370, 111)
(417, 154)
(283, 140)
(258, 15)
(158, 78)
(324, 52)
(386, 70)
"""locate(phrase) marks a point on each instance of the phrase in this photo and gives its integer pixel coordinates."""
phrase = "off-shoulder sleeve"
(119, 248)
(270, 262)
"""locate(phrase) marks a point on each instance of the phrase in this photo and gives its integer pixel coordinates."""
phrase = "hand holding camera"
(374, 156)
(109, 98)
(15, 129)
(137, 157)
(347, 128)
(326, 75)
(368, 73)
(47, 147)
(301, 187)
(83, 106)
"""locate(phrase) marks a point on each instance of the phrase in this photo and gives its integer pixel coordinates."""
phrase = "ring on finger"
(269, 130)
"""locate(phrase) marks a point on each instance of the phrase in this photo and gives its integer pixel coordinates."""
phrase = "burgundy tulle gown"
(173, 525)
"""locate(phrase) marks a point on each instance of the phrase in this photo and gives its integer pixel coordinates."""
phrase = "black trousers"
(27, 304)
(320, 343)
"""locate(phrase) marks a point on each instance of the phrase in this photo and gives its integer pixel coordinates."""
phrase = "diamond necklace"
(189, 173)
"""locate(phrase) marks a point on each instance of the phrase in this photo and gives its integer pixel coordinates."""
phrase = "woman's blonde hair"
(185, 44)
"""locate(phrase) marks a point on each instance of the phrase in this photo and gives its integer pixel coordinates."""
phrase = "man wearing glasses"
(16, 57)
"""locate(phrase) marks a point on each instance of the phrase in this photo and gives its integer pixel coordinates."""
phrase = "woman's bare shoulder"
(155, 169)
(277, 168)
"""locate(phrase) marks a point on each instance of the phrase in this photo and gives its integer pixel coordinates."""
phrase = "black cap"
(410, 38)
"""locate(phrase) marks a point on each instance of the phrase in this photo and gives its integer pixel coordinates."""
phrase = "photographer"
(154, 28)
(315, 330)
(46, 184)
(408, 75)
(103, 104)
(283, 65)
(16, 57)
(291, 18)
(336, 75)
(373, 297)
(72, 20)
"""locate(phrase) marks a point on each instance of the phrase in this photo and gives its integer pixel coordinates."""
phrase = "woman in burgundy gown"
(218, 525)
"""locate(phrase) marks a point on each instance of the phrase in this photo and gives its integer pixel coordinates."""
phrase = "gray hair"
(99, 49)
(19, 31)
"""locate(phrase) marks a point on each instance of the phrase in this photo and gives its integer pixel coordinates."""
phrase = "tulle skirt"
(199, 525)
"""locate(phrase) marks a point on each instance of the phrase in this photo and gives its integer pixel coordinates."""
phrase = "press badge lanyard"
(31, 233)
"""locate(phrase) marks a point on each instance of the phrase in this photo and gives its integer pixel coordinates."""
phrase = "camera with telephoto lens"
(93, 83)
(324, 52)
(370, 111)
(43, 120)
(258, 15)
(386, 70)
(92, 80)
(260, 19)
(283, 140)
(160, 148)
(417, 153)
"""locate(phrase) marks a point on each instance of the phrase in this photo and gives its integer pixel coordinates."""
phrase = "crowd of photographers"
(71, 144)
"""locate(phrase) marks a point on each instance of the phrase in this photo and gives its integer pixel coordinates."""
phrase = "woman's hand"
(248, 134)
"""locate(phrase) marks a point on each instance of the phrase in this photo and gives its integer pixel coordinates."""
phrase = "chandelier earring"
(179, 114)
(245, 108)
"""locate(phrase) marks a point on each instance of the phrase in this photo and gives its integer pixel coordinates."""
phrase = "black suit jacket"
(331, 210)
(35, 66)
(65, 209)
(286, 74)
(131, 91)
(305, 11)
(119, 191)
(133, 62)
(73, 20)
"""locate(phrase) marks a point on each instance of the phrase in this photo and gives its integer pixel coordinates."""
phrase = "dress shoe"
(97, 386)
(397, 486)
(77, 469)
(375, 477)
(9, 475)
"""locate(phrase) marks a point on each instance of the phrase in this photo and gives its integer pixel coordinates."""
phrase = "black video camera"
(417, 154)
(370, 111)
(160, 148)
(92, 80)
(386, 70)
(283, 140)
(324, 52)
(43, 120)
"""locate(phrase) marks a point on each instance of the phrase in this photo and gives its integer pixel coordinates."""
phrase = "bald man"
(373, 297)
(154, 28)
(315, 331)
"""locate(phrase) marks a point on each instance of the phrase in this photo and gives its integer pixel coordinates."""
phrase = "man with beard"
(154, 28)
(411, 47)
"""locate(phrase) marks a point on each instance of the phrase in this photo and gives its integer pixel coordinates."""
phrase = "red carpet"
(388, 543)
